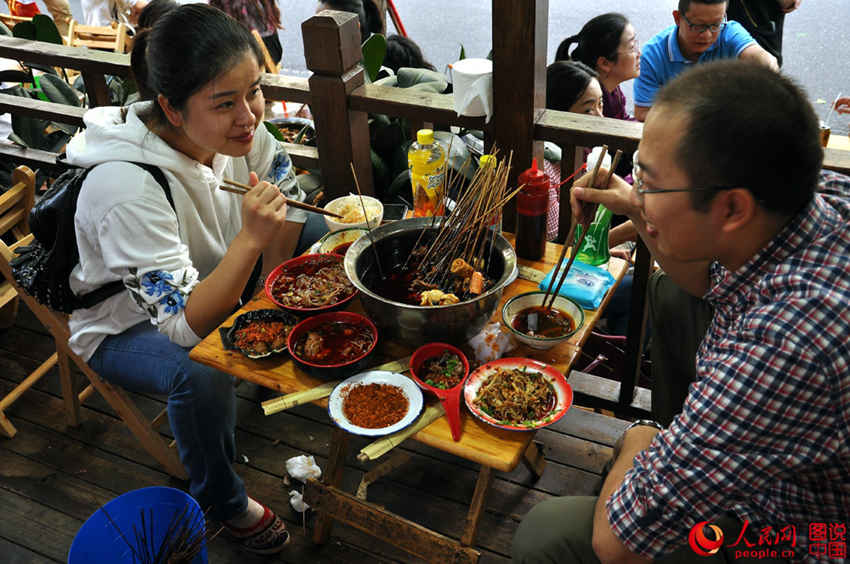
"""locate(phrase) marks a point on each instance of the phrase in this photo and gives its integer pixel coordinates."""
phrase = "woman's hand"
(263, 212)
(618, 197)
(842, 105)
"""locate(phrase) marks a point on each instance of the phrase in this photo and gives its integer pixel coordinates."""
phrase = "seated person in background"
(608, 44)
(404, 52)
(571, 86)
(701, 34)
(763, 440)
(366, 10)
(104, 12)
(262, 15)
(764, 20)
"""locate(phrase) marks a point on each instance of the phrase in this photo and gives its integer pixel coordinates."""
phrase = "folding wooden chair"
(114, 38)
(15, 206)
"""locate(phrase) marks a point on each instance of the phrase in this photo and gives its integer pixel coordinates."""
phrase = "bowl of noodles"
(518, 394)
(351, 210)
(310, 284)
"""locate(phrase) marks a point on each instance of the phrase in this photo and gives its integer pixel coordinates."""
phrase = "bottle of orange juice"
(427, 161)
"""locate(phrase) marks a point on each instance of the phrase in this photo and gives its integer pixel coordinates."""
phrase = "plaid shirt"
(765, 430)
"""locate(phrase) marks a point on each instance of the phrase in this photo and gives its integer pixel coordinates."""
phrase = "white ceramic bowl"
(350, 207)
(531, 299)
(407, 386)
(331, 241)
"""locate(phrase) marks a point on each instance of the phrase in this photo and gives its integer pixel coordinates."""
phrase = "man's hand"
(842, 105)
(619, 197)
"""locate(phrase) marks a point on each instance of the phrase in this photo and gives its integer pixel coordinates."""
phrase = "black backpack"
(44, 267)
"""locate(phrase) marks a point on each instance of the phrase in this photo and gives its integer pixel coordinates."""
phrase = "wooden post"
(637, 325)
(332, 52)
(520, 28)
(382, 9)
(96, 89)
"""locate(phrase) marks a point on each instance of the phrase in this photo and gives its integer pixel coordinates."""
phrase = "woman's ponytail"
(563, 52)
(139, 65)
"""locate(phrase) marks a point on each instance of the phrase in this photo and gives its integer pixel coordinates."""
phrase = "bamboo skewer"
(368, 225)
(241, 189)
(587, 221)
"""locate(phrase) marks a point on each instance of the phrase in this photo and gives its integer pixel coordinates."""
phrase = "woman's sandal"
(268, 536)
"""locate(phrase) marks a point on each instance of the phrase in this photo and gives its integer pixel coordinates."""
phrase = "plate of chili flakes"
(518, 394)
(375, 403)
(259, 333)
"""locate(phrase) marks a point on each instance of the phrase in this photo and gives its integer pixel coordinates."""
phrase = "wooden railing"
(340, 102)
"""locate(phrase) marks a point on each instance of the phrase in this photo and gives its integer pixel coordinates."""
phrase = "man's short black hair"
(746, 126)
(685, 4)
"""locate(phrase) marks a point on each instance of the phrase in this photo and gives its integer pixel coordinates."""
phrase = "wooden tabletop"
(481, 443)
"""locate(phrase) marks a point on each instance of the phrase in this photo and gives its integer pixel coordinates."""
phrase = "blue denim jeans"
(201, 409)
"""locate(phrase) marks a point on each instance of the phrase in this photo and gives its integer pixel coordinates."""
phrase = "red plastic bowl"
(296, 262)
(332, 371)
(450, 397)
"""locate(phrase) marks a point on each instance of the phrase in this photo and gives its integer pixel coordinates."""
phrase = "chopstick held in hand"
(238, 188)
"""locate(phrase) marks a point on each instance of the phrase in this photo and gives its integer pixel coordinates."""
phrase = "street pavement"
(816, 43)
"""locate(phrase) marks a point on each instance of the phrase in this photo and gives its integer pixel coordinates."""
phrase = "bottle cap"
(425, 136)
(534, 176)
(487, 160)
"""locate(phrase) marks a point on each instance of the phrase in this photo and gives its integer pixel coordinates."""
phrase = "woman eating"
(184, 260)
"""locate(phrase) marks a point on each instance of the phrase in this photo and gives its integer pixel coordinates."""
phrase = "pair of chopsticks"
(585, 224)
(238, 188)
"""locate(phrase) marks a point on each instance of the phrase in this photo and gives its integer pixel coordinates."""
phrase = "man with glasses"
(730, 198)
(701, 34)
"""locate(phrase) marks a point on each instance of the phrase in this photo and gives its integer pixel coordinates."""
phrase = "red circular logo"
(700, 543)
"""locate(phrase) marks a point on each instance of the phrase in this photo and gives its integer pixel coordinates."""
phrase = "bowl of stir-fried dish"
(310, 284)
(518, 394)
(441, 369)
(259, 333)
(332, 345)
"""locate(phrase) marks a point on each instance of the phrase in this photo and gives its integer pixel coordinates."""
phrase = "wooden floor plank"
(434, 489)
(30, 524)
(18, 554)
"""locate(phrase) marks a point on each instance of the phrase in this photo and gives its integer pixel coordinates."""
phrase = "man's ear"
(173, 115)
(735, 209)
(676, 16)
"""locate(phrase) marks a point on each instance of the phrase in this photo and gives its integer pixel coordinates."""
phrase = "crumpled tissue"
(303, 468)
(491, 343)
(296, 500)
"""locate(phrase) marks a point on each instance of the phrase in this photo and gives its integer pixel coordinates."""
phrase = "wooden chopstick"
(574, 253)
(570, 237)
(239, 188)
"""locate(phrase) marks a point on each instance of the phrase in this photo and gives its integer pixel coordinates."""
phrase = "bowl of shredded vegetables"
(441, 369)
(309, 284)
(518, 394)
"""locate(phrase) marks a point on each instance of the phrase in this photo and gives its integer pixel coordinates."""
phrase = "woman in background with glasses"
(608, 44)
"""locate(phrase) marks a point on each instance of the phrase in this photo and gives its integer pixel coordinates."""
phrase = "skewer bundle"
(464, 233)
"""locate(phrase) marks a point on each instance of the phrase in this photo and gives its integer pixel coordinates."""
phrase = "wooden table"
(492, 448)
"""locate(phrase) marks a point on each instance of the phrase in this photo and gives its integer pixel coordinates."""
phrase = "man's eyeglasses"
(702, 28)
(641, 188)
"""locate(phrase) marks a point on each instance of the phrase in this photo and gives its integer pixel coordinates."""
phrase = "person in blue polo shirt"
(701, 34)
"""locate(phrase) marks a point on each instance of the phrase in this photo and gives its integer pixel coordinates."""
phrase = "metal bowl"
(412, 324)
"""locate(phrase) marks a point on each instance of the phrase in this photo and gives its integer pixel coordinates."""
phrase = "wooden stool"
(15, 206)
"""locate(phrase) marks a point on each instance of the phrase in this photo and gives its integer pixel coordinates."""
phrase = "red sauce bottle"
(532, 204)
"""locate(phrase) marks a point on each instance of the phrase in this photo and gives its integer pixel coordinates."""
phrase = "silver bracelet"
(644, 423)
